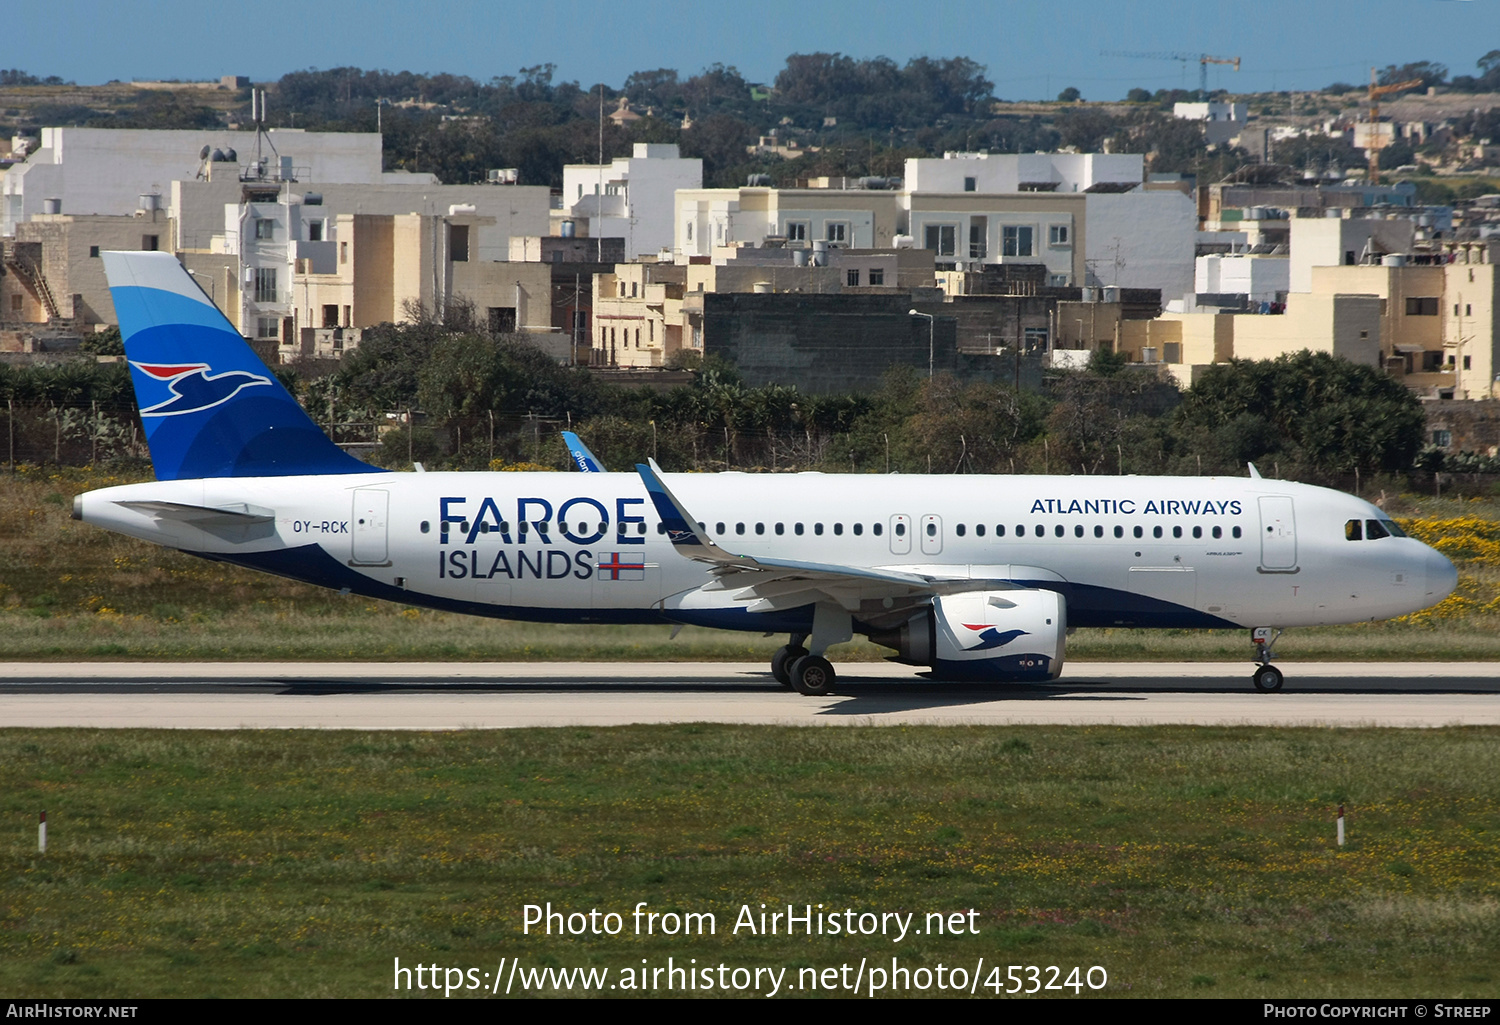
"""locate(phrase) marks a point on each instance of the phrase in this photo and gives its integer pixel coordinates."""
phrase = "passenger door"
(1278, 534)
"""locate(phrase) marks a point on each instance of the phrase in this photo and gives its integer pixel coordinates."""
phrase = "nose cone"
(1442, 577)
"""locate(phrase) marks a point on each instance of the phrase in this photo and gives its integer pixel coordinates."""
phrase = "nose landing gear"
(1266, 676)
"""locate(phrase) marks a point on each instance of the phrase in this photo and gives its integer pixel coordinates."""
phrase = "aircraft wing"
(772, 584)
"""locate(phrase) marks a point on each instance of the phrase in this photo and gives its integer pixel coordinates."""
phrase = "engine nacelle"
(985, 635)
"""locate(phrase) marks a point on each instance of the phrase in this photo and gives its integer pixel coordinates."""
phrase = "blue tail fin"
(586, 460)
(209, 405)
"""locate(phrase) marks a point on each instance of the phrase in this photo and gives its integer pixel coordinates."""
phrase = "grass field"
(1183, 861)
(72, 591)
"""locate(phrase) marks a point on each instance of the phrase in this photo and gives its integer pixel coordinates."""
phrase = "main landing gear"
(1266, 676)
(795, 669)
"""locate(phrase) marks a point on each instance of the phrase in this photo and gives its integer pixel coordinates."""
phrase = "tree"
(1323, 411)
(1138, 96)
(1429, 72)
(1069, 95)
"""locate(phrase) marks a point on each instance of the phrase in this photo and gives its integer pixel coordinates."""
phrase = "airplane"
(976, 577)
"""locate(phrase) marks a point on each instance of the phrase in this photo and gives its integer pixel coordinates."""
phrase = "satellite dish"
(203, 153)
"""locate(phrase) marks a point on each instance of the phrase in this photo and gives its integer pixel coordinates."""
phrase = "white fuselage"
(1126, 551)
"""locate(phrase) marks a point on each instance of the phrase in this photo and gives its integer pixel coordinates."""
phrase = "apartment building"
(380, 267)
(631, 197)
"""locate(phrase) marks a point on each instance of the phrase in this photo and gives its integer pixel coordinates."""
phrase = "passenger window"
(718, 528)
(859, 528)
(1197, 531)
(1058, 530)
(1156, 532)
(484, 528)
(640, 528)
(780, 529)
(1176, 531)
(932, 530)
(877, 529)
(797, 529)
(999, 530)
(959, 530)
(1119, 532)
(1041, 531)
(661, 528)
(838, 529)
(1098, 531)
(818, 528)
(1236, 531)
(1374, 531)
(900, 530)
(1078, 530)
(979, 530)
(1218, 532)
(760, 528)
(1138, 532)
(739, 528)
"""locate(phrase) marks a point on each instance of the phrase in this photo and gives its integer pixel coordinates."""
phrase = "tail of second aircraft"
(210, 407)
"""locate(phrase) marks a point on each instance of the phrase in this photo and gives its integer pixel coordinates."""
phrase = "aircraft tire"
(813, 676)
(1267, 678)
(781, 663)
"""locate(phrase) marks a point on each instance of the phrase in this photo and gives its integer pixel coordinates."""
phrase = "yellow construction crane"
(1377, 91)
(1203, 59)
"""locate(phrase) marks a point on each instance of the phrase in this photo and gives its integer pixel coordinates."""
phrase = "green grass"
(1184, 861)
(69, 591)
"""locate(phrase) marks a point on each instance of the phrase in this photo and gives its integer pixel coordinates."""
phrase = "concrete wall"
(1343, 325)
(1472, 298)
(1330, 241)
(1151, 234)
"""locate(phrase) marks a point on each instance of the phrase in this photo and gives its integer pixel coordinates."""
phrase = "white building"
(106, 170)
(1221, 121)
(1087, 217)
(1261, 277)
(1024, 172)
(1142, 239)
(631, 198)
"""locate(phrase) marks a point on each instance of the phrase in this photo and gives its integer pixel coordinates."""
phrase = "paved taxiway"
(428, 696)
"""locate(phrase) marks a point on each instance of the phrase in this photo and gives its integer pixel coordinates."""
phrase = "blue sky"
(1032, 49)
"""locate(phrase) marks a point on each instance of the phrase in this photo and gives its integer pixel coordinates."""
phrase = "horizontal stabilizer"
(236, 522)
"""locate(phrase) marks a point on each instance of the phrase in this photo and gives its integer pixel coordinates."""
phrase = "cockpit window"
(1374, 531)
(1354, 531)
(1392, 528)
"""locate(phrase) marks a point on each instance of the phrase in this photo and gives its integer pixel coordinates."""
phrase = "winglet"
(682, 529)
(582, 457)
(1254, 473)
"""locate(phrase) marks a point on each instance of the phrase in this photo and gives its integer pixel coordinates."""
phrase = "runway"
(427, 696)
